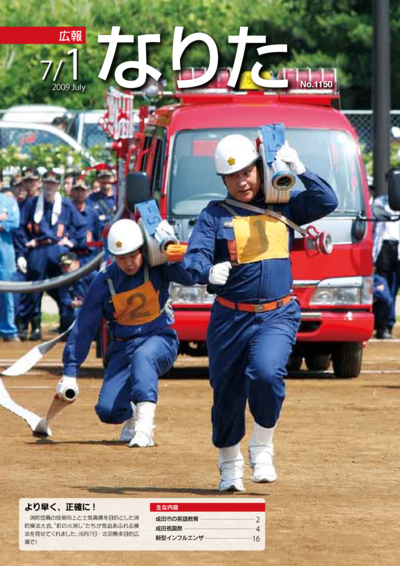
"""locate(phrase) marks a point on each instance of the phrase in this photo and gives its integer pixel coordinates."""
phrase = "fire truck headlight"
(343, 291)
(190, 295)
(367, 290)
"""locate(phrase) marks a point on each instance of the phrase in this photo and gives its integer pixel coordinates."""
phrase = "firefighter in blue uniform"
(28, 186)
(9, 222)
(103, 202)
(382, 306)
(50, 227)
(134, 298)
(79, 198)
(243, 256)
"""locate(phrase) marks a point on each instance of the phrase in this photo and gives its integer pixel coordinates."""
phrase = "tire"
(318, 362)
(347, 359)
(294, 363)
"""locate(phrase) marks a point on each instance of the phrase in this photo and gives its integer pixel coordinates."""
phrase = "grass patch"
(50, 318)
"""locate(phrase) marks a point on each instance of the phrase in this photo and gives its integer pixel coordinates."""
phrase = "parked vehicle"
(36, 113)
(24, 136)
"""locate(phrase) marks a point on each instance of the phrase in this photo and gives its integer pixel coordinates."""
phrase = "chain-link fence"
(362, 122)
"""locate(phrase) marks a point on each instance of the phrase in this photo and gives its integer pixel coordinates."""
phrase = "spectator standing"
(9, 221)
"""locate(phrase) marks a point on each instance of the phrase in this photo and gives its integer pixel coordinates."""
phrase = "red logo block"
(42, 35)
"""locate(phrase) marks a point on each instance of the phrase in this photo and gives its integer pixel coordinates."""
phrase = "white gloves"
(165, 235)
(67, 389)
(219, 273)
(291, 158)
(165, 227)
(22, 264)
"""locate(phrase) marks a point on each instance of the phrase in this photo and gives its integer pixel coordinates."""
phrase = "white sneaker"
(143, 436)
(128, 430)
(142, 440)
(262, 464)
(231, 467)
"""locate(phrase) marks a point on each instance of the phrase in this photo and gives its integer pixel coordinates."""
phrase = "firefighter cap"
(105, 174)
(124, 237)
(68, 258)
(80, 184)
(233, 153)
(30, 174)
(51, 177)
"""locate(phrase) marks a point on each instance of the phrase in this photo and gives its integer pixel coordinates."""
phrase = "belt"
(264, 307)
(45, 242)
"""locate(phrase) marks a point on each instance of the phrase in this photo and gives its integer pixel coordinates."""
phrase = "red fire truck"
(174, 161)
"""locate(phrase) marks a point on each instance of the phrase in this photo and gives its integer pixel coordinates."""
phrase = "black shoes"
(383, 334)
(36, 333)
(22, 326)
(11, 338)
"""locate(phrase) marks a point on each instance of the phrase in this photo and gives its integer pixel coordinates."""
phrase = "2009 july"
(61, 86)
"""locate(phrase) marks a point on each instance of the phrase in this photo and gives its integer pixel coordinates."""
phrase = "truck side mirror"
(137, 189)
(394, 189)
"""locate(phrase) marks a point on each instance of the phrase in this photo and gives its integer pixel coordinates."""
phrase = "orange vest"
(136, 306)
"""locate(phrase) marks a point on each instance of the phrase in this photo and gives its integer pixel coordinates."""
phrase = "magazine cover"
(199, 266)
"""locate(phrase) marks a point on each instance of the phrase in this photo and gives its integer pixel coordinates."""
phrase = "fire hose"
(54, 282)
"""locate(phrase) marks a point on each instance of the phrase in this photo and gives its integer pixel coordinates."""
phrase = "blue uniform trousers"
(383, 303)
(19, 277)
(248, 353)
(132, 374)
(43, 263)
(7, 318)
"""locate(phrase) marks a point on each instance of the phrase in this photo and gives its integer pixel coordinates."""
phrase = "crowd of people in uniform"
(46, 229)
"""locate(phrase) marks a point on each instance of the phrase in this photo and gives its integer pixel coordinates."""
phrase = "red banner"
(42, 35)
(197, 507)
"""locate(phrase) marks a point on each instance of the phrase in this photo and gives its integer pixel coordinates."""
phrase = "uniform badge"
(118, 244)
(231, 161)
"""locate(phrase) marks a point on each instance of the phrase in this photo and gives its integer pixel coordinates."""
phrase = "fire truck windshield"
(193, 181)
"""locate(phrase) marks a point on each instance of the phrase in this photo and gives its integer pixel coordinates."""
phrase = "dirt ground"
(336, 501)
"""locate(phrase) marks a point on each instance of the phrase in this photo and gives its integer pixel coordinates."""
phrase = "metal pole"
(381, 93)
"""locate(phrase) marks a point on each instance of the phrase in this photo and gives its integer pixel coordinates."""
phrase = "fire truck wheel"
(294, 363)
(318, 362)
(347, 359)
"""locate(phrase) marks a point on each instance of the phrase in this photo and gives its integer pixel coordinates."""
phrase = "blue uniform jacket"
(260, 281)
(103, 206)
(92, 229)
(7, 255)
(69, 224)
(18, 235)
(78, 289)
(98, 304)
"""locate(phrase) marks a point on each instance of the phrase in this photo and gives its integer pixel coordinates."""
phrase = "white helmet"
(233, 153)
(124, 237)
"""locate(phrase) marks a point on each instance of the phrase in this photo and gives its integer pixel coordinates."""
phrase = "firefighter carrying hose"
(134, 298)
(244, 257)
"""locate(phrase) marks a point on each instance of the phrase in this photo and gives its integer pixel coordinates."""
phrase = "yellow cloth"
(137, 306)
(260, 237)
